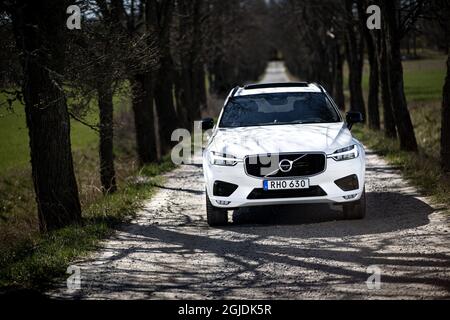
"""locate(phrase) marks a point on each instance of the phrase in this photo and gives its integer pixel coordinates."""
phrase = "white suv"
(277, 144)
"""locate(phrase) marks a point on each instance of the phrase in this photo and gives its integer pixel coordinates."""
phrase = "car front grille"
(305, 164)
(261, 194)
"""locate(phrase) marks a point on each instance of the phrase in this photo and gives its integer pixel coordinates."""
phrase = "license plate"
(286, 184)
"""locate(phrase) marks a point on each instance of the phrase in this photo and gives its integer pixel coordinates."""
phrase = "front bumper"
(246, 184)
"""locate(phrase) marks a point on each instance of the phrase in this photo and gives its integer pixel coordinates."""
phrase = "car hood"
(242, 142)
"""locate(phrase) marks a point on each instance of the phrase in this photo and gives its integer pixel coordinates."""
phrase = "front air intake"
(261, 194)
(349, 183)
(224, 189)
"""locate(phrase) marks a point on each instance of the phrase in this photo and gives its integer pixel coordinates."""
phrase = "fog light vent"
(223, 203)
(350, 197)
(348, 183)
(224, 189)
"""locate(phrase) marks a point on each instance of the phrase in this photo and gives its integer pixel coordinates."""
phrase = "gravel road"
(292, 252)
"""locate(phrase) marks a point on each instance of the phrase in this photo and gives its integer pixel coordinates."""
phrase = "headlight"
(222, 159)
(348, 153)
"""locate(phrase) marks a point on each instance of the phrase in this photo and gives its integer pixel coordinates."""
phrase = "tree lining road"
(290, 252)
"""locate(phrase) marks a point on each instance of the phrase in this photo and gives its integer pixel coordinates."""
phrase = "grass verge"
(34, 264)
(421, 169)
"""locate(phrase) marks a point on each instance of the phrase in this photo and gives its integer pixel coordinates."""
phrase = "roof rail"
(276, 85)
(234, 91)
(319, 86)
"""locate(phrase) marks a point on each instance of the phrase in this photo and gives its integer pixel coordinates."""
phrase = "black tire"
(216, 217)
(356, 210)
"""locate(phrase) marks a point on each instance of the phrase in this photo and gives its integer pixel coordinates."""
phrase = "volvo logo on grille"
(285, 166)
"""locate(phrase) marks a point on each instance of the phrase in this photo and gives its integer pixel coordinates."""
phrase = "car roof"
(267, 88)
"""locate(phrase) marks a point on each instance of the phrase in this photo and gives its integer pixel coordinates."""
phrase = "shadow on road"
(248, 258)
(304, 238)
(383, 212)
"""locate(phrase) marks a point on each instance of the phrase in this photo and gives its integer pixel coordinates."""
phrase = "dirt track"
(296, 252)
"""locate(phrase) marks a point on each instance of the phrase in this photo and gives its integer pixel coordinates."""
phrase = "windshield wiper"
(276, 124)
(301, 122)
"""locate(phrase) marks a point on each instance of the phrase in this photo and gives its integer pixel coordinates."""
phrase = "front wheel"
(356, 210)
(216, 217)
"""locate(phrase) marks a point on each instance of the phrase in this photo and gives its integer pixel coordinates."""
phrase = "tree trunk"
(106, 151)
(41, 39)
(182, 89)
(144, 118)
(374, 81)
(168, 120)
(338, 86)
(355, 58)
(445, 133)
(189, 81)
(402, 117)
(159, 17)
(415, 45)
(373, 104)
(388, 114)
(191, 95)
(202, 94)
(195, 63)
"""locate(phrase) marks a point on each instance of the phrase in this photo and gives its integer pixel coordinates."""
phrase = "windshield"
(278, 109)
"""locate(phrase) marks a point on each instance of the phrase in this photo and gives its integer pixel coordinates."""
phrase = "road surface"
(294, 252)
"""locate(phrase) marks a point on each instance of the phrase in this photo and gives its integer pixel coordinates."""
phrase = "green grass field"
(420, 85)
(14, 149)
(423, 78)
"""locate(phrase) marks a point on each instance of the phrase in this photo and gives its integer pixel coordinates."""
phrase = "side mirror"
(207, 124)
(353, 118)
